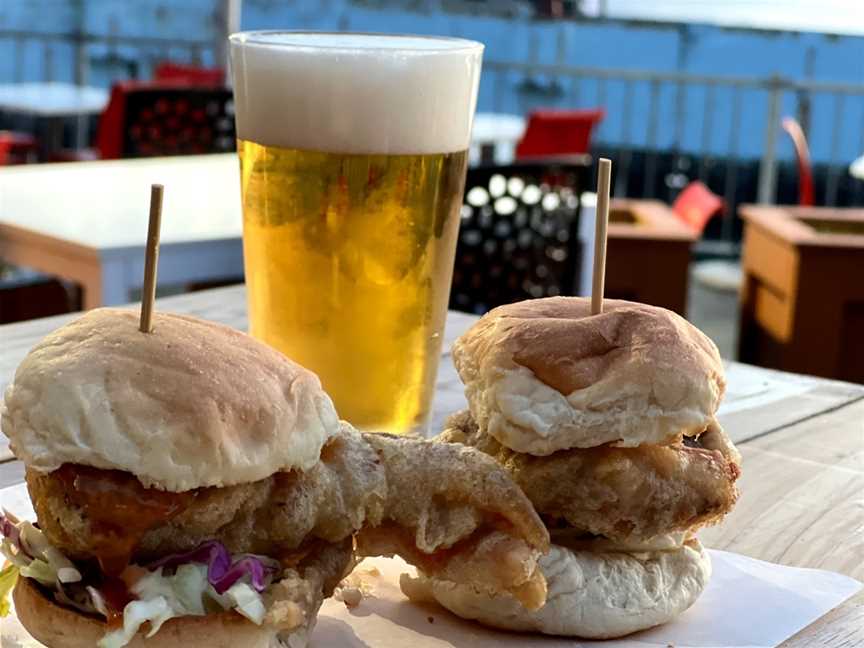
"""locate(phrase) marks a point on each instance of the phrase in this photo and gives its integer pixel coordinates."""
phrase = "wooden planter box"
(802, 302)
(648, 254)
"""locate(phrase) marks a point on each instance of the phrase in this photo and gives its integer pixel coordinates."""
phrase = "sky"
(833, 16)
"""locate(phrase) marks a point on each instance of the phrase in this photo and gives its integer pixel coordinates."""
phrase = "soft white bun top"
(355, 93)
(590, 595)
(190, 405)
(544, 375)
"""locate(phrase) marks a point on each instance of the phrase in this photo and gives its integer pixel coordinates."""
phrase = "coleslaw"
(204, 580)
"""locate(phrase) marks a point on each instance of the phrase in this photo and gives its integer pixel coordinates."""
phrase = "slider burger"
(607, 424)
(194, 487)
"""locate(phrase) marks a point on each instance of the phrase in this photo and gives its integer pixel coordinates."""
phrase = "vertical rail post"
(651, 141)
(497, 89)
(18, 54)
(626, 145)
(47, 61)
(80, 71)
(602, 100)
(767, 191)
(574, 90)
(833, 180)
(228, 22)
(732, 159)
(707, 132)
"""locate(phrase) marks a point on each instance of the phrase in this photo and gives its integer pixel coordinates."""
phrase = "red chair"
(557, 133)
(145, 118)
(696, 205)
(17, 148)
(109, 134)
(805, 168)
(189, 74)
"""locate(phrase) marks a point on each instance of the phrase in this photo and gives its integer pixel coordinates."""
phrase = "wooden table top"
(809, 227)
(802, 440)
(654, 220)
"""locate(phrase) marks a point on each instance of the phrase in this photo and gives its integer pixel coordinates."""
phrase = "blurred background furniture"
(189, 74)
(90, 227)
(558, 133)
(696, 205)
(680, 112)
(714, 280)
(169, 118)
(17, 148)
(27, 295)
(856, 169)
(802, 302)
(494, 137)
(54, 104)
(519, 236)
(648, 254)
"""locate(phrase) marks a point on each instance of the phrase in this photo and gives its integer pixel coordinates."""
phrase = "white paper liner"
(748, 604)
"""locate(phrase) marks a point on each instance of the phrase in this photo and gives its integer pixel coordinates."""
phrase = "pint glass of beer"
(353, 150)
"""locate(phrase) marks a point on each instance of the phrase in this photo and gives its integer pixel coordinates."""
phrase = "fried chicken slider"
(607, 423)
(194, 487)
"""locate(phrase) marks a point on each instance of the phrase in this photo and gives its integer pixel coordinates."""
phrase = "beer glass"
(353, 149)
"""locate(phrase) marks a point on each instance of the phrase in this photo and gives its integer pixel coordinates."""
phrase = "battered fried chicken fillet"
(607, 424)
(194, 487)
(625, 494)
(427, 502)
(443, 500)
(274, 515)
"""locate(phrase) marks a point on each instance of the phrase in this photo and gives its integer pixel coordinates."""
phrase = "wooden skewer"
(148, 294)
(604, 176)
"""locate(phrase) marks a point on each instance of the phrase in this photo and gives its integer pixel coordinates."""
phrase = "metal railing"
(75, 56)
(711, 120)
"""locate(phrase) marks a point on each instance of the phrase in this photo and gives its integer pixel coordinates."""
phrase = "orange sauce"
(120, 510)
(116, 596)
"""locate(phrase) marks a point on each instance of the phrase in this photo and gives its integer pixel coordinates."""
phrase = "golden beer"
(349, 232)
(348, 267)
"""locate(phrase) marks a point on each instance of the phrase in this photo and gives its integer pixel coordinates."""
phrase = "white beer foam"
(352, 93)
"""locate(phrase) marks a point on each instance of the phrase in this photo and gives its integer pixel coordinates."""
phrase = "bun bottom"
(591, 595)
(56, 626)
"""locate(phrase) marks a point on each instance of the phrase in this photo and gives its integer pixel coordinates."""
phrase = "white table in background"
(87, 222)
(55, 102)
(494, 137)
(52, 99)
(856, 169)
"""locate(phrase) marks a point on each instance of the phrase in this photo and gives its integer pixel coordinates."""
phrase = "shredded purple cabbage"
(249, 565)
(212, 553)
(9, 530)
(221, 572)
(13, 533)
